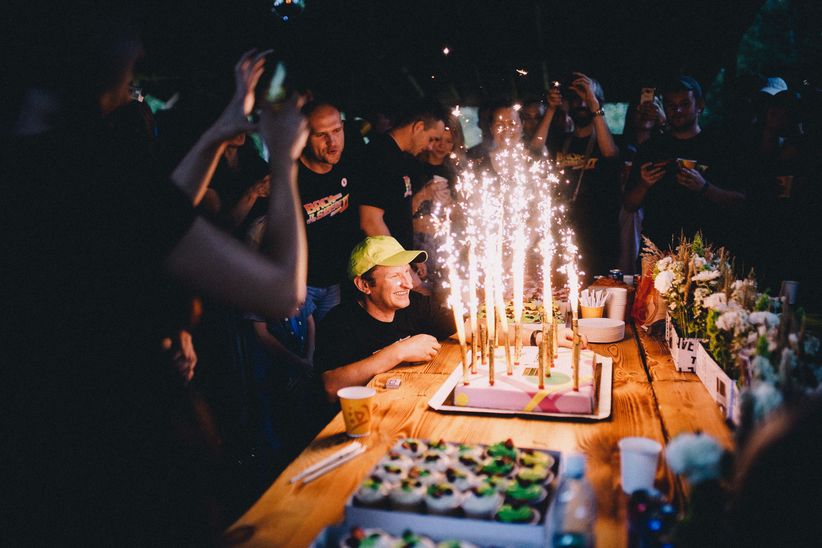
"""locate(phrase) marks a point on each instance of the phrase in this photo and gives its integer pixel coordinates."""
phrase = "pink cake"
(519, 391)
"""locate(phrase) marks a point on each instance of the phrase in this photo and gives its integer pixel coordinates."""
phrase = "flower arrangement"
(685, 278)
(760, 342)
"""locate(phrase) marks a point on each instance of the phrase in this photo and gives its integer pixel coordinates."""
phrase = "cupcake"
(410, 447)
(469, 450)
(372, 492)
(481, 502)
(498, 466)
(461, 479)
(434, 461)
(424, 475)
(407, 496)
(530, 493)
(517, 513)
(534, 474)
(500, 483)
(411, 540)
(397, 459)
(530, 457)
(441, 498)
(391, 473)
(368, 538)
(469, 463)
(442, 447)
(503, 449)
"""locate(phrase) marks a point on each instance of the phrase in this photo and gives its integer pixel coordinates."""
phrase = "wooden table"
(649, 399)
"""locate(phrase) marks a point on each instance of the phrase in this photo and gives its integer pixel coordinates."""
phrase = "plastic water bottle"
(574, 510)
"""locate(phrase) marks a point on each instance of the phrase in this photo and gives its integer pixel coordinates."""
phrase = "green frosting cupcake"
(529, 457)
(503, 449)
(532, 474)
(509, 513)
(501, 466)
(525, 493)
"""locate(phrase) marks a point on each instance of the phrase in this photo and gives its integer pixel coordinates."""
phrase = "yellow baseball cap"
(380, 251)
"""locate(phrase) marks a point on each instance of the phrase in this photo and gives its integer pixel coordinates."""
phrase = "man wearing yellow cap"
(387, 325)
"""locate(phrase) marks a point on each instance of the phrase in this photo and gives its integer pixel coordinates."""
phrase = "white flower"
(766, 398)
(717, 301)
(729, 321)
(699, 262)
(767, 319)
(695, 456)
(706, 276)
(663, 281)
(664, 263)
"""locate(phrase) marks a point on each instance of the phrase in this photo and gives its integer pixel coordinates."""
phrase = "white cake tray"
(441, 400)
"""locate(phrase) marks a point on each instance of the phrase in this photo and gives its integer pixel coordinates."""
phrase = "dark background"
(361, 53)
(364, 51)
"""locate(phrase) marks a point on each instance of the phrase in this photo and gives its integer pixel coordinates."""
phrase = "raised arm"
(272, 283)
(194, 172)
(540, 138)
(584, 87)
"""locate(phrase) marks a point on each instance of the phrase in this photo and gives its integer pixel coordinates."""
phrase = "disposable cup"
(616, 311)
(638, 462)
(617, 303)
(357, 404)
(591, 311)
(789, 290)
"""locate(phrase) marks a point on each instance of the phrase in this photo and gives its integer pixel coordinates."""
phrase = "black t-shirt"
(388, 174)
(95, 415)
(669, 207)
(331, 221)
(349, 334)
(594, 213)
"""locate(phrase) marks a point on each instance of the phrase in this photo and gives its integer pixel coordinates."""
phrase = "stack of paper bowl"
(602, 330)
(616, 303)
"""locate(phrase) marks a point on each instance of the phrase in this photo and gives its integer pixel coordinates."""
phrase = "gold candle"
(575, 353)
(484, 342)
(517, 342)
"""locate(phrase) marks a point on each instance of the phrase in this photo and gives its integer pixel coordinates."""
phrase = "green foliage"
(697, 246)
(762, 303)
(719, 345)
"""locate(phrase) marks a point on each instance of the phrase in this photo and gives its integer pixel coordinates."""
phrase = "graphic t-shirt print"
(325, 207)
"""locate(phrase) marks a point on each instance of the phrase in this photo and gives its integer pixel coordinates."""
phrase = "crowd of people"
(173, 313)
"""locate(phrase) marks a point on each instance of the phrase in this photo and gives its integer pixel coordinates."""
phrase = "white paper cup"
(638, 461)
(616, 303)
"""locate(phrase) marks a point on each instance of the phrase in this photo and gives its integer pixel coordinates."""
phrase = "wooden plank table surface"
(650, 399)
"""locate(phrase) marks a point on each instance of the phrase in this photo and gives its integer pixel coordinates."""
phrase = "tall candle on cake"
(499, 301)
(519, 241)
(573, 300)
(473, 306)
(459, 320)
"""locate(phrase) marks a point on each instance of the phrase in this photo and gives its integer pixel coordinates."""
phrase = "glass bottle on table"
(574, 511)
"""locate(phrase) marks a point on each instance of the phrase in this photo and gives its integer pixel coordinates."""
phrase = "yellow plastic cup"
(591, 311)
(357, 404)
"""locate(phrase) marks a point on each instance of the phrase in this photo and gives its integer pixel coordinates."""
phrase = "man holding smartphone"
(683, 179)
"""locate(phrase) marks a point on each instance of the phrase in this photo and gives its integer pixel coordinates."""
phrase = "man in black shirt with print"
(326, 181)
(385, 207)
(387, 325)
(676, 176)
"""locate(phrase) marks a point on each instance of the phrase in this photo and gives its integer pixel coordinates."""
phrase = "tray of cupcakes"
(485, 494)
